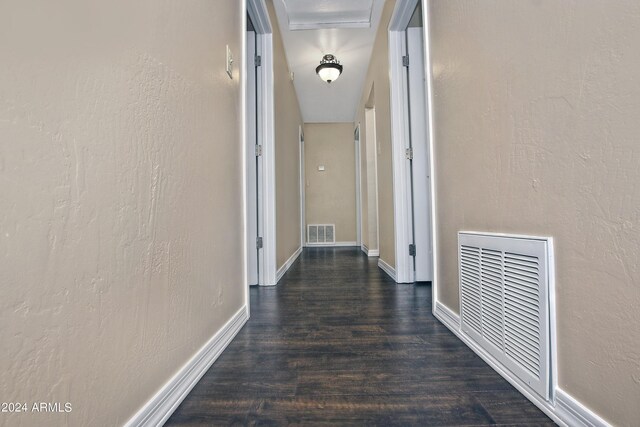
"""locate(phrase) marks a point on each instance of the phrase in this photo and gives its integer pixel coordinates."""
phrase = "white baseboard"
(331, 245)
(566, 411)
(369, 252)
(569, 408)
(446, 316)
(387, 268)
(287, 265)
(160, 407)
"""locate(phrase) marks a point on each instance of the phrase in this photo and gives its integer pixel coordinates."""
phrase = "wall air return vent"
(321, 234)
(504, 302)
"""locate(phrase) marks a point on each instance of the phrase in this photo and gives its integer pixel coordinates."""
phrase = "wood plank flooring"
(337, 342)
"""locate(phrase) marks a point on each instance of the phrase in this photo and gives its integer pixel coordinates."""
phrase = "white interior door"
(358, 191)
(420, 162)
(252, 172)
(372, 179)
(303, 220)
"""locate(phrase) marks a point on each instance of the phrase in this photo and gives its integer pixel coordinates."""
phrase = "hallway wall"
(288, 120)
(330, 195)
(120, 198)
(536, 132)
(378, 77)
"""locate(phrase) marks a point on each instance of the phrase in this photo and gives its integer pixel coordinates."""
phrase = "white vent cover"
(321, 234)
(504, 301)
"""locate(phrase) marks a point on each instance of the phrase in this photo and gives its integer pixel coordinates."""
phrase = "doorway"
(418, 146)
(253, 160)
(411, 144)
(302, 188)
(373, 248)
(356, 139)
(260, 150)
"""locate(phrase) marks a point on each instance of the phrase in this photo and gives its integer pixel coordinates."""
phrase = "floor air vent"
(504, 300)
(321, 234)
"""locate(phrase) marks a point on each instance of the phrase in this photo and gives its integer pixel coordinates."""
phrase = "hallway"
(338, 342)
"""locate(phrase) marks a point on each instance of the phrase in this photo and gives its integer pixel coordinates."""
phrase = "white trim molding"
(257, 10)
(332, 245)
(568, 408)
(387, 269)
(446, 316)
(245, 193)
(160, 407)
(402, 14)
(565, 411)
(288, 263)
(432, 138)
(369, 252)
(345, 244)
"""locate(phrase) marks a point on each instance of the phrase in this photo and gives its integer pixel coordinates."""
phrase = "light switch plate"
(321, 168)
(229, 63)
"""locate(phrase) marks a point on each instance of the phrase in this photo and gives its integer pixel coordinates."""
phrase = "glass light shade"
(329, 74)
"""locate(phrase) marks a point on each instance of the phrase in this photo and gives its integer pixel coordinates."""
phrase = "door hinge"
(409, 153)
(259, 243)
(412, 250)
(405, 61)
(257, 60)
(258, 150)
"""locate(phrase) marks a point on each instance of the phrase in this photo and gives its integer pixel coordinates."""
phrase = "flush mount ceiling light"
(329, 68)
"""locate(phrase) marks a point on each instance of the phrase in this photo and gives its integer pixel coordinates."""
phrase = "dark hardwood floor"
(337, 342)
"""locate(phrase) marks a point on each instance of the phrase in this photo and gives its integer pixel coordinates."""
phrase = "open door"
(303, 234)
(253, 160)
(418, 145)
(411, 144)
(372, 180)
(356, 139)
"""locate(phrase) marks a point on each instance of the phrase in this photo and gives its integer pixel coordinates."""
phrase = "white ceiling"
(314, 14)
(344, 28)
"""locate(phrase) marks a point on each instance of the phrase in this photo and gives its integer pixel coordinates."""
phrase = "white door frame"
(399, 133)
(257, 10)
(358, 187)
(302, 188)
